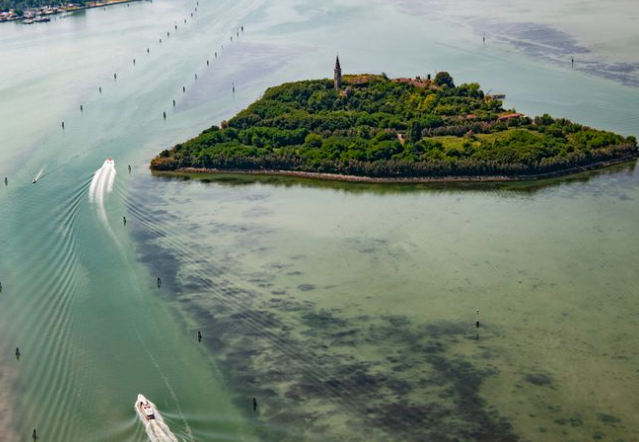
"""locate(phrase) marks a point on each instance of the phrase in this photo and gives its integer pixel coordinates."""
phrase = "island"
(374, 128)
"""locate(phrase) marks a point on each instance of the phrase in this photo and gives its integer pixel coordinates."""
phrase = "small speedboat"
(145, 409)
(35, 180)
(152, 420)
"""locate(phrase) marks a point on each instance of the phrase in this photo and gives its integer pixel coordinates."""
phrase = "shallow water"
(353, 307)
(348, 310)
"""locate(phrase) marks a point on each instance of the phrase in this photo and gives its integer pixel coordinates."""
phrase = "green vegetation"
(19, 5)
(380, 127)
(22, 5)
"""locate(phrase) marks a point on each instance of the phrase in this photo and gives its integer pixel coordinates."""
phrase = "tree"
(444, 78)
(313, 140)
(414, 131)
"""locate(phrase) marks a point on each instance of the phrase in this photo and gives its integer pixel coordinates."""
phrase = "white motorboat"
(156, 429)
(145, 408)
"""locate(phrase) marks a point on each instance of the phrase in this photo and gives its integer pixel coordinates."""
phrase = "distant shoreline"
(406, 180)
(74, 9)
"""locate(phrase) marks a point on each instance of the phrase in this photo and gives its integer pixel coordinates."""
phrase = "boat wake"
(187, 427)
(102, 183)
(156, 429)
(37, 177)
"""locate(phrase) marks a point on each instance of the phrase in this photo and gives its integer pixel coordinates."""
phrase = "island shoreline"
(402, 180)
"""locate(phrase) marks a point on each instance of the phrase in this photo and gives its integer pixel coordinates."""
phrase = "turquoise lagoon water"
(347, 310)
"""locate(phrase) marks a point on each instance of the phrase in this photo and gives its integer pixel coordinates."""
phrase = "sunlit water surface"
(348, 311)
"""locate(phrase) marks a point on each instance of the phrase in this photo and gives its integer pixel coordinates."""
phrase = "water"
(347, 310)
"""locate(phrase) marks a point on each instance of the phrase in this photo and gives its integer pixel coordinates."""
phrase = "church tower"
(338, 75)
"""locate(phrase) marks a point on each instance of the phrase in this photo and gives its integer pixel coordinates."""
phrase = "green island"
(372, 128)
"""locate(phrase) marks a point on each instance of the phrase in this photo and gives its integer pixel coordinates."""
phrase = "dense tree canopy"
(21, 5)
(444, 78)
(393, 128)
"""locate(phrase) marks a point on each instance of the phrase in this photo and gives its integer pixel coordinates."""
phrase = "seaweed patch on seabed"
(545, 42)
(320, 375)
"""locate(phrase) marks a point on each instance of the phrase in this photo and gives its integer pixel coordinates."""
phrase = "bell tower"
(337, 81)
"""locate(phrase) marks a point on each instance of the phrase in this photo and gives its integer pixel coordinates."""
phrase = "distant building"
(337, 81)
